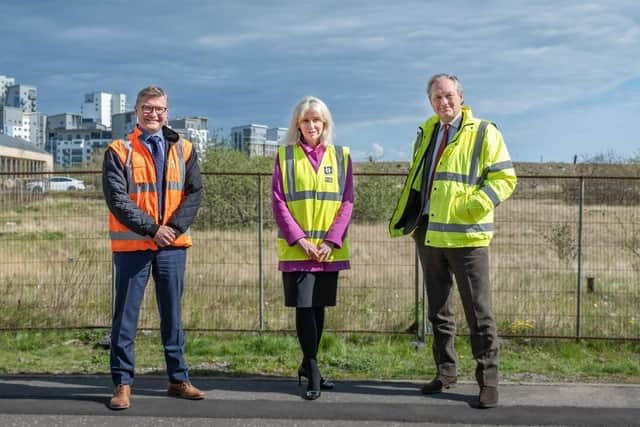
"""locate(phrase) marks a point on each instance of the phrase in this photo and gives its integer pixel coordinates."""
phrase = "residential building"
(73, 153)
(195, 129)
(118, 103)
(11, 122)
(257, 140)
(36, 123)
(5, 82)
(98, 107)
(76, 146)
(29, 126)
(23, 97)
(277, 135)
(64, 121)
(122, 124)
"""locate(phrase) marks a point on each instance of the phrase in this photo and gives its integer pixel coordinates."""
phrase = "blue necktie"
(158, 159)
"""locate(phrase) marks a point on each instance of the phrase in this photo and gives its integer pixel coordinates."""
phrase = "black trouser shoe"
(488, 397)
(438, 384)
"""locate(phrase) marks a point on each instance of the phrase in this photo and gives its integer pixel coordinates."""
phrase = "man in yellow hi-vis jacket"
(460, 171)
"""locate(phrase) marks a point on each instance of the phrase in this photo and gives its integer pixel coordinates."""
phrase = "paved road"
(81, 400)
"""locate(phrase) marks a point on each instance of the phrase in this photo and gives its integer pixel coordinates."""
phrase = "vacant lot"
(55, 270)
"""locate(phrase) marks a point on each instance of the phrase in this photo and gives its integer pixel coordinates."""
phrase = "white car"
(56, 183)
(65, 183)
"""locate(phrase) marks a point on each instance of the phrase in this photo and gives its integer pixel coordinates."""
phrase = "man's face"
(152, 113)
(445, 99)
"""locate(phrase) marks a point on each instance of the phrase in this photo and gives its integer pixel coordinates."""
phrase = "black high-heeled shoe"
(313, 386)
(324, 383)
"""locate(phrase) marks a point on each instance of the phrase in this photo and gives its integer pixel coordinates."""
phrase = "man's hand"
(165, 236)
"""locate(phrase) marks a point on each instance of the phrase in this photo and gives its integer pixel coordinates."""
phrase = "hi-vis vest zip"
(143, 190)
(313, 198)
(475, 174)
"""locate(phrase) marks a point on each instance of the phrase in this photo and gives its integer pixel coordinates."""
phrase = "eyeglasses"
(148, 109)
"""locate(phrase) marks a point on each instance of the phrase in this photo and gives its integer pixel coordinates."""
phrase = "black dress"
(310, 289)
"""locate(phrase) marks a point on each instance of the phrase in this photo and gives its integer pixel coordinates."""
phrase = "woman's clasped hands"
(318, 253)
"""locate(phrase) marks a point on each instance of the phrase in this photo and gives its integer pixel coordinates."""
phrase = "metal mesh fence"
(565, 260)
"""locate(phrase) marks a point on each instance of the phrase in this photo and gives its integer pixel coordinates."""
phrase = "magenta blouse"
(291, 231)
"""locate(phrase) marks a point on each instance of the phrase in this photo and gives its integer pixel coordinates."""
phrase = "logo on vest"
(328, 174)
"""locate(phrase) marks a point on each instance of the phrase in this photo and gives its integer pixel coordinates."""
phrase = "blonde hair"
(150, 92)
(305, 104)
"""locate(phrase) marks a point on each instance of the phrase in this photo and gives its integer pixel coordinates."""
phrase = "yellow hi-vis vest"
(143, 190)
(313, 198)
(475, 174)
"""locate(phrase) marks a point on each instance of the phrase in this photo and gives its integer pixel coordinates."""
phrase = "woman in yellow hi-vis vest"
(312, 203)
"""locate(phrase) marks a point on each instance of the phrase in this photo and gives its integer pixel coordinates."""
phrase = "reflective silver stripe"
(291, 195)
(130, 235)
(289, 171)
(450, 176)
(477, 151)
(459, 228)
(127, 166)
(491, 193)
(144, 187)
(127, 235)
(315, 234)
(312, 234)
(341, 169)
(178, 186)
(181, 168)
(500, 166)
(329, 196)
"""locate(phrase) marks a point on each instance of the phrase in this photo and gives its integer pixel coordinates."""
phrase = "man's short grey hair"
(150, 92)
(440, 76)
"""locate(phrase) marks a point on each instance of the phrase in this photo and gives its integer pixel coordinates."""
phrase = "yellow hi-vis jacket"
(313, 198)
(475, 174)
(143, 190)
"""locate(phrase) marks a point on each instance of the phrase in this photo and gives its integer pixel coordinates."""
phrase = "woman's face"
(311, 126)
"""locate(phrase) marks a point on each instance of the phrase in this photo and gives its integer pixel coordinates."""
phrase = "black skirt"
(306, 289)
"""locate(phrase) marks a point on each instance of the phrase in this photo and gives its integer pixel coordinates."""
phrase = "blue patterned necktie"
(158, 160)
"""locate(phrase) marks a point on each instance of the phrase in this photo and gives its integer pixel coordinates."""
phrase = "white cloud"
(370, 60)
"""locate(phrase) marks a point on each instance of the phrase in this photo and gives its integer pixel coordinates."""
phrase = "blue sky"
(558, 78)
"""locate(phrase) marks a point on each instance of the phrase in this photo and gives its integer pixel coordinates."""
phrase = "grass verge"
(357, 356)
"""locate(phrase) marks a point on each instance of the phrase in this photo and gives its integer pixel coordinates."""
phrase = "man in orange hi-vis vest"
(152, 186)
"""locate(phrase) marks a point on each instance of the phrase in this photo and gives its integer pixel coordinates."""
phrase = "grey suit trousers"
(470, 266)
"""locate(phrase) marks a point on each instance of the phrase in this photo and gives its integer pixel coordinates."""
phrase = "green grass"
(356, 356)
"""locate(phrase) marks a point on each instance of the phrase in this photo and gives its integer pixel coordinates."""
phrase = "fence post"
(420, 285)
(417, 297)
(580, 242)
(260, 253)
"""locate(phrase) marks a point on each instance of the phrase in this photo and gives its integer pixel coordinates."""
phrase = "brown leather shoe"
(121, 397)
(438, 384)
(185, 390)
(488, 397)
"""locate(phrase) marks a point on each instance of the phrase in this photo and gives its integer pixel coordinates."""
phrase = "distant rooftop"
(20, 144)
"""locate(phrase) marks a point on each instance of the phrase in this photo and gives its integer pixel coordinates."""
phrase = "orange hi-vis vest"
(142, 188)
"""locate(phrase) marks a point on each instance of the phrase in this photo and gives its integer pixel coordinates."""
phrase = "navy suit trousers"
(130, 275)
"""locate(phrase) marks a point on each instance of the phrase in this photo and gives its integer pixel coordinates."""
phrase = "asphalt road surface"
(265, 401)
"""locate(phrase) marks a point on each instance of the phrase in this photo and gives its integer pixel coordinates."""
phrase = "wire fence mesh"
(565, 259)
